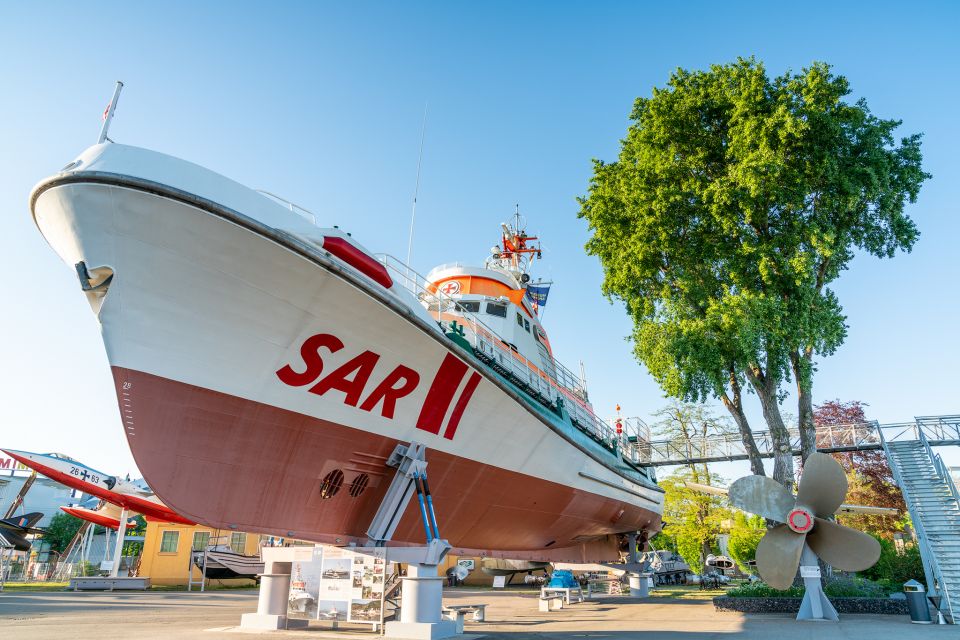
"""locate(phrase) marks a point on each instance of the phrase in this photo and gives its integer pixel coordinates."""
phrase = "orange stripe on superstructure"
(482, 286)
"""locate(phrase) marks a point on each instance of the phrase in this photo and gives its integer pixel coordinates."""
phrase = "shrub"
(835, 587)
(854, 587)
(761, 590)
(896, 568)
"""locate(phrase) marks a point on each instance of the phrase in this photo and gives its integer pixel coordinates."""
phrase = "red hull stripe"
(461, 405)
(440, 395)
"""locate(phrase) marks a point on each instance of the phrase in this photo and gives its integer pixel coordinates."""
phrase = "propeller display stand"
(807, 531)
(815, 605)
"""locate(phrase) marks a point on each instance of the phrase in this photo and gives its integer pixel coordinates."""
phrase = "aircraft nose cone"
(22, 456)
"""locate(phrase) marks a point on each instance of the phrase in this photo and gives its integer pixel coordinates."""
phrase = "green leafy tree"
(896, 568)
(687, 426)
(745, 535)
(736, 200)
(138, 528)
(692, 520)
(61, 530)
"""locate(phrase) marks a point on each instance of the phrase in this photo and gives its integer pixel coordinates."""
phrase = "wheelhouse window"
(470, 306)
(499, 310)
(526, 325)
(519, 319)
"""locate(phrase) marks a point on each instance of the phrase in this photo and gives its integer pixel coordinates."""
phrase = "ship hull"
(212, 326)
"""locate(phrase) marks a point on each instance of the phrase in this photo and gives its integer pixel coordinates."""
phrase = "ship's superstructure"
(268, 358)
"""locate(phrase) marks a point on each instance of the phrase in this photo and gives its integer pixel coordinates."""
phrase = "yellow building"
(166, 551)
(166, 554)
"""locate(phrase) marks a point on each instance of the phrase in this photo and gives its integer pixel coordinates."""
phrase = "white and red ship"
(266, 365)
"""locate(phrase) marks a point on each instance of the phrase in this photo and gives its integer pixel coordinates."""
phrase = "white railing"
(830, 438)
(550, 382)
(292, 206)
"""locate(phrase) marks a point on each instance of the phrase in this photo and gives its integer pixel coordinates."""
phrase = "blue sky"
(322, 103)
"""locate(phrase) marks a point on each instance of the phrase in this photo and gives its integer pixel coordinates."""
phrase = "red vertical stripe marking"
(440, 394)
(461, 405)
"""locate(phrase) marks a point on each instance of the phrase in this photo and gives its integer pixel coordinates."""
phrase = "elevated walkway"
(934, 430)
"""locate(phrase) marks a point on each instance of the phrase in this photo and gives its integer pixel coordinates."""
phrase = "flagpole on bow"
(108, 114)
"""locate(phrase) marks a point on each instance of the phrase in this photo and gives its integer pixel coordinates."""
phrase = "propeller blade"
(842, 547)
(778, 556)
(763, 496)
(823, 485)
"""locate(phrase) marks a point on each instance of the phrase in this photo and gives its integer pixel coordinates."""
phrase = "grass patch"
(210, 587)
(686, 592)
(20, 587)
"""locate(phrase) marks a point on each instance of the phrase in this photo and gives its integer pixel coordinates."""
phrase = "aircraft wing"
(114, 490)
(849, 509)
(12, 540)
(13, 530)
(105, 515)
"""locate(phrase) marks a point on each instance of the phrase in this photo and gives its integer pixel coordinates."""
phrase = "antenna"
(108, 114)
(416, 188)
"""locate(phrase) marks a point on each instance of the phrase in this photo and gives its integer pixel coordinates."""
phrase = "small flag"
(538, 294)
(106, 111)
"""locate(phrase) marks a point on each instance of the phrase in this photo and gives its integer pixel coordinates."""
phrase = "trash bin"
(917, 602)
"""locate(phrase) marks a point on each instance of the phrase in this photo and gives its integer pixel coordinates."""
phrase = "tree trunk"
(808, 430)
(734, 404)
(766, 389)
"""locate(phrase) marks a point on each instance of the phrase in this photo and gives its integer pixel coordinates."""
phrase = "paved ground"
(511, 616)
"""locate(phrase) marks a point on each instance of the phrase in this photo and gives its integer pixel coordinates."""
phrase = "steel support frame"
(422, 589)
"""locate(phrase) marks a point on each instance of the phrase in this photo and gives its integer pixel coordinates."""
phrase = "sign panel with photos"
(339, 585)
(305, 587)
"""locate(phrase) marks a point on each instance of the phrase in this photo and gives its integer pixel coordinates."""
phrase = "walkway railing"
(865, 436)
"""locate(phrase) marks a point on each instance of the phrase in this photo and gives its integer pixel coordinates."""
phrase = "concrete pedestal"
(274, 590)
(272, 605)
(421, 606)
(639, 586)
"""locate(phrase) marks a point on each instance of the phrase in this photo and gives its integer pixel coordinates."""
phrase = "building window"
(238, 542)
(499, 310)
(200, 540)
(169, 541)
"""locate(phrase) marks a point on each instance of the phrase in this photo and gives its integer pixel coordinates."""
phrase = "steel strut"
(433, 515)
(419, 481)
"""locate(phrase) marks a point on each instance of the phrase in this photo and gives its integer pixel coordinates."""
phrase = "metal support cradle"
(422, 589)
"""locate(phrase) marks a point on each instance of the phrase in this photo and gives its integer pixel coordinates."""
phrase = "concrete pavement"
(510, 616)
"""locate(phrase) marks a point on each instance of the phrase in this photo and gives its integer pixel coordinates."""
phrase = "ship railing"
(549, 383)
(443, 267)
(303, 212)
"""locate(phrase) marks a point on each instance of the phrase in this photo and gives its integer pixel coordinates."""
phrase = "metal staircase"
(934, 505)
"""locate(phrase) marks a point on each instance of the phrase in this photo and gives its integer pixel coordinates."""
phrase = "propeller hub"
(800, 520)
